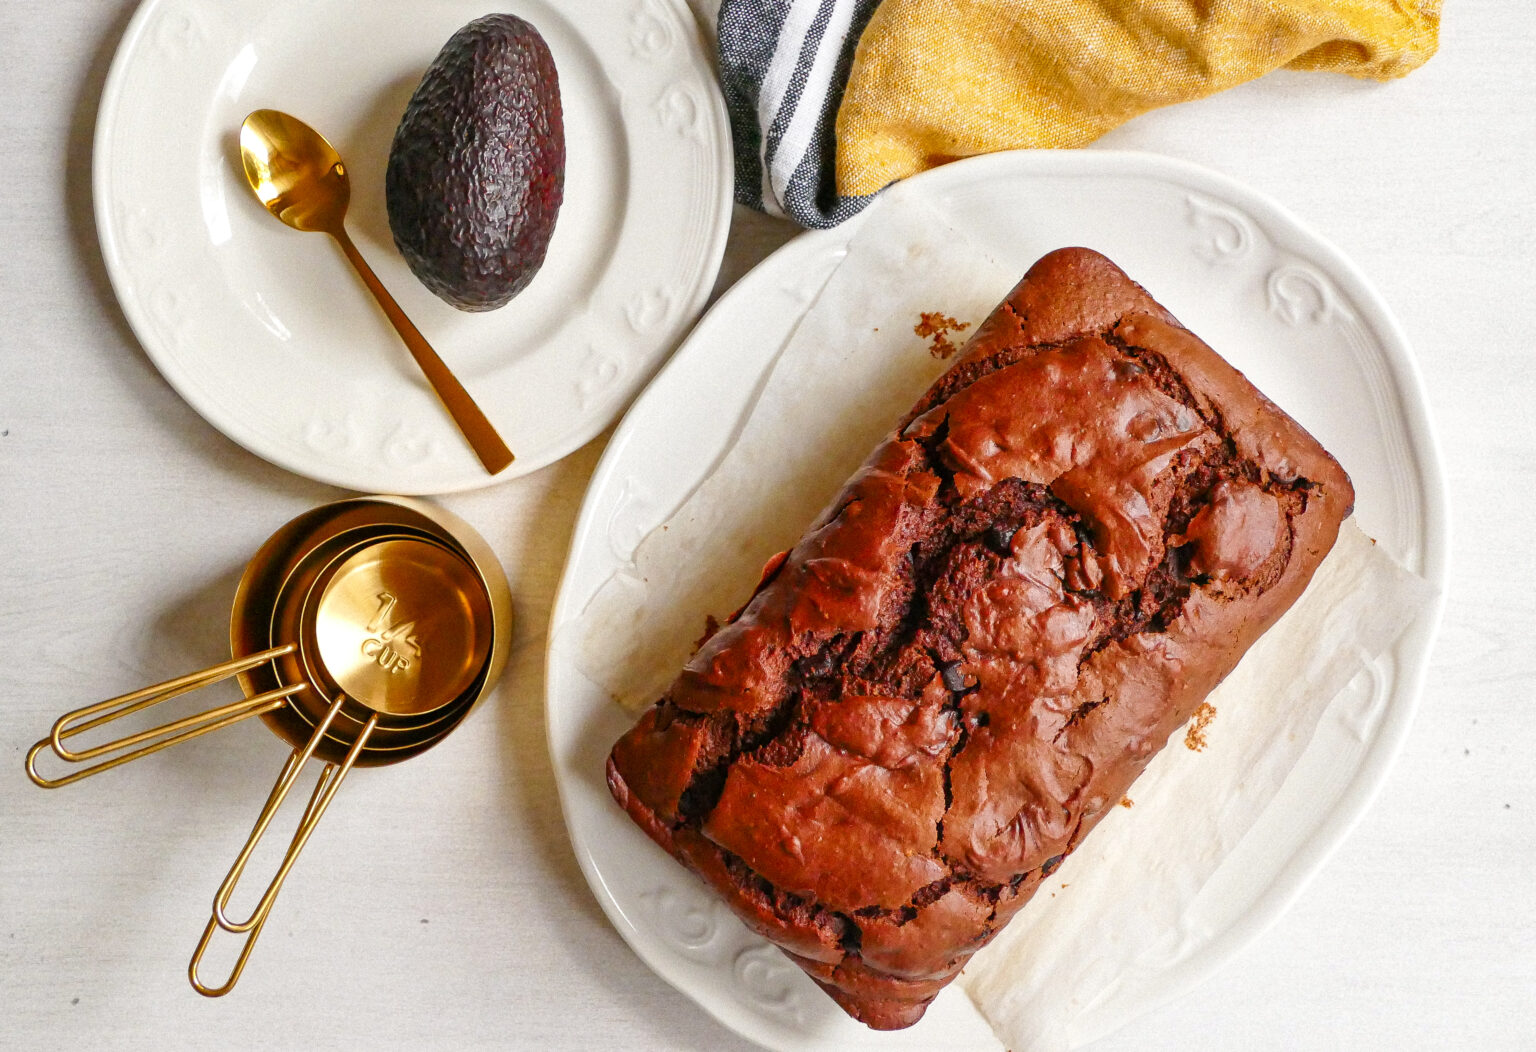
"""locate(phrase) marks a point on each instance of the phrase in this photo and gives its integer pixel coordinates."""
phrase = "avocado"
(477, 167)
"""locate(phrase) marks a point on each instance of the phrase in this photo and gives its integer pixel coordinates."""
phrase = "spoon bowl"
(294, 171)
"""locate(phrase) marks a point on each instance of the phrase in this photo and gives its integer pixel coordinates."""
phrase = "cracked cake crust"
(969, 658)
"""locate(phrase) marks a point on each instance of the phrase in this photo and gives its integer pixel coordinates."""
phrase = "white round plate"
(1277, 300)
(269, 334)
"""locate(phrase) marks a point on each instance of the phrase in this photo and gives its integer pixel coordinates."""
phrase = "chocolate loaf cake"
(972, 654)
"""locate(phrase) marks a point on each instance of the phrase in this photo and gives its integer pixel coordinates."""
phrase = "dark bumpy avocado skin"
(477, 169)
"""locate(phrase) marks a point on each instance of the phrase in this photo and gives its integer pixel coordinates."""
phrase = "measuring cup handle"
(319, 798)
(167, 734)
(325, 789)
(239, 965)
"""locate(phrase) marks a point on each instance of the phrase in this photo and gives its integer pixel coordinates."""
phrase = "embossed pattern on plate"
(1276, 299)
(269, 335)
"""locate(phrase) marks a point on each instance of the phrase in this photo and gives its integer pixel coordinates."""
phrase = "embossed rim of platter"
(698, 957)
(334, 397)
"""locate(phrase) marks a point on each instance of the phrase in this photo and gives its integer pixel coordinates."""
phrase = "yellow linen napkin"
(935, 80)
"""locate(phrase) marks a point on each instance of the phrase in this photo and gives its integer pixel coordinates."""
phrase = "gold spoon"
(301, 179)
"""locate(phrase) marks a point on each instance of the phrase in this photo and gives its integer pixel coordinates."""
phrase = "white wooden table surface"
(440, 905)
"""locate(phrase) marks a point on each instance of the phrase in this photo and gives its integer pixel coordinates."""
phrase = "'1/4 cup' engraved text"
(394, 648)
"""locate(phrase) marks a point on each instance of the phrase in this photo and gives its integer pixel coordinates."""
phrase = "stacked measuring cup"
(363, 632)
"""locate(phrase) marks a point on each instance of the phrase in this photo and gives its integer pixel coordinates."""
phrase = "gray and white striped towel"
(783, 65)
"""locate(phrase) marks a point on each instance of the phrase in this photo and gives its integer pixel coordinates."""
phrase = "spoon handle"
(479, 432)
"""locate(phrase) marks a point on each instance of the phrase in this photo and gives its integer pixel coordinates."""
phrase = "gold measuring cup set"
(363, 632)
